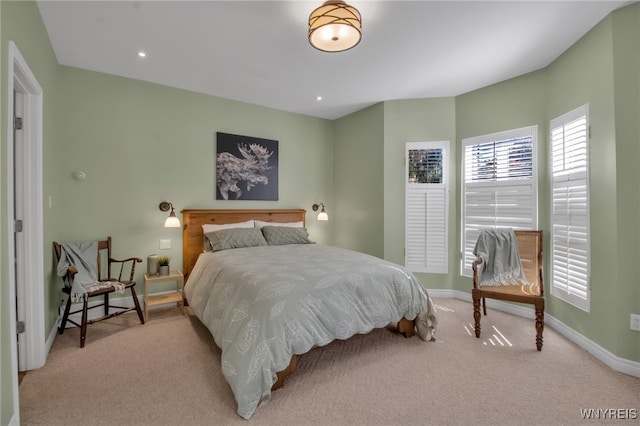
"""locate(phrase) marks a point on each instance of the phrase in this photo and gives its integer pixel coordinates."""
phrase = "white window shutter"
(499, 186)
(570, 247)
(426, 207)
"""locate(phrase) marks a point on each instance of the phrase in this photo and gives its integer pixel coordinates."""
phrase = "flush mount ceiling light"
(335, 26)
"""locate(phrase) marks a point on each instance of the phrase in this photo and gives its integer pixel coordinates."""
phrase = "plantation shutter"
(570, 208)
(499, 190)
(427, 207)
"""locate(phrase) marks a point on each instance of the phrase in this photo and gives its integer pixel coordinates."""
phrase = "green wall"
(141, 143)
(601, 69)
(359, 181)
(416, 120)
(6, 384)
(512, 104)
(626, 62)
(582, 75)
(21, 23)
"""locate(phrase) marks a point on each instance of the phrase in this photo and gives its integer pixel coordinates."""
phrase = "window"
(499, 186)
(570, 208)
(427, 207)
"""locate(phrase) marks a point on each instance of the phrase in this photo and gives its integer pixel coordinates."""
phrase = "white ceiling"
(258, 52)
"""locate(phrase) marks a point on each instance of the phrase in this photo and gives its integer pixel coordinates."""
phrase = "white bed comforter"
(264, 304)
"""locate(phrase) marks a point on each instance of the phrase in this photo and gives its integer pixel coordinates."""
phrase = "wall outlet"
(635, 322)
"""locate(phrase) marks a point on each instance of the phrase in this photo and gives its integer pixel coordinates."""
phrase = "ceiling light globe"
(335, 27)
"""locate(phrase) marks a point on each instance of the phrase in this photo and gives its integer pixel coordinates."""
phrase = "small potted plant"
(163, 265)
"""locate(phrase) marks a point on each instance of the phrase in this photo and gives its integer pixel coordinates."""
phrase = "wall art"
(246, 168)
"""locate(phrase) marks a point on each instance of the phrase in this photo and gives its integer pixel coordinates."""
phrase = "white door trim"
(21, 79)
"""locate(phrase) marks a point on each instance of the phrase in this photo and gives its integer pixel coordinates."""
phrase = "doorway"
(25, 254)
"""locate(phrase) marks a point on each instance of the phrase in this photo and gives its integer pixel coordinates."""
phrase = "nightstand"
(169, 297)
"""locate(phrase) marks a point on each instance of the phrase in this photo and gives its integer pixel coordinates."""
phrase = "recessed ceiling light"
(142, 54)
(318, 98)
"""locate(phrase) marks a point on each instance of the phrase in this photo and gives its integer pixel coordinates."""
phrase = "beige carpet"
(167, 372)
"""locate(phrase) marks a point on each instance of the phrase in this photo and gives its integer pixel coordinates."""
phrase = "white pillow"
(210, 227)
(260, 224)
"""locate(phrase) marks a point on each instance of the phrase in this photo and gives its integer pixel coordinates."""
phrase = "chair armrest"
(67, 278)
(71, 272)
(476, 270)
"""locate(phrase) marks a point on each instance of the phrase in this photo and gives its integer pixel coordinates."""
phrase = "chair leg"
(65, 316)
(539, 324)
(476, 311)
(106, 304)
(83, 326)
(484, 305)
(137, 304)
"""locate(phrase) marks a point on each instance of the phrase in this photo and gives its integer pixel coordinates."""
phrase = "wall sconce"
(323, 214)
(172, 221)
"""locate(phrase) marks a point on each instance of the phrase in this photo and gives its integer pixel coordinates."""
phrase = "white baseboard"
(14, 421)
(632, 368)
(52, 335)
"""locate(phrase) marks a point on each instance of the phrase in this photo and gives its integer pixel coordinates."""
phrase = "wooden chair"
(530, 248)
(124, 266)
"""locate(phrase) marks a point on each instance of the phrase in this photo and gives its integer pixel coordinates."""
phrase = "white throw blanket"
(84, 257)
(501, 264)
(426, 323)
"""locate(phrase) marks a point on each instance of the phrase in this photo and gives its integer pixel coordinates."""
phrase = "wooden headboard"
(192, 235)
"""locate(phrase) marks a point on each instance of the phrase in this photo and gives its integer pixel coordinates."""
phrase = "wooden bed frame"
(193, 245)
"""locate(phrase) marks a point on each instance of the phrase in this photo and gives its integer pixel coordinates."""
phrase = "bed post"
(406, 327)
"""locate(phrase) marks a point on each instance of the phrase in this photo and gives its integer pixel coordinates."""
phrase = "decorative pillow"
(260, 224)
(225, 239)
(210, 227)
(280, 235)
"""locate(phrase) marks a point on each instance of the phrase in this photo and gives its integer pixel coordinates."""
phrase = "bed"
(268, 294)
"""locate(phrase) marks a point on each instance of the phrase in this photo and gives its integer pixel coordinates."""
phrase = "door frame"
(31, 279)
